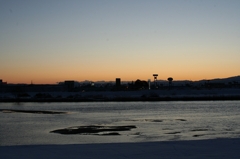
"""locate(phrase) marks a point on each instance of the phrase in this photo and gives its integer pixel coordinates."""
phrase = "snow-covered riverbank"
(141, 95)
(198, 149)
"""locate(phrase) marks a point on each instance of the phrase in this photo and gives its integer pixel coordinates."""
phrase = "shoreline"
(124, 96)
(126, 99)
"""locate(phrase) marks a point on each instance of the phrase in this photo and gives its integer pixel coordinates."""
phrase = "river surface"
(154, 121)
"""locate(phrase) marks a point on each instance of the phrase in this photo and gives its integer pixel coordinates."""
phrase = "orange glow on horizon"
(55, 80)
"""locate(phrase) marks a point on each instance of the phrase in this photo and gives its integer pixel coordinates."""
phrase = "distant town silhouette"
(159, 89)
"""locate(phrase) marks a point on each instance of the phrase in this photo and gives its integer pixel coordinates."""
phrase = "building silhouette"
(118, 82)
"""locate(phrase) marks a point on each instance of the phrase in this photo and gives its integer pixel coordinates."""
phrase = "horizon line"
(204, 79)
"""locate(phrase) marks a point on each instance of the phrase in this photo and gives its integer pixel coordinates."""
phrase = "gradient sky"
(47, 41)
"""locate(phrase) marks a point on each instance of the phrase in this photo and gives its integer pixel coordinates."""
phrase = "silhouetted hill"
(223, 80)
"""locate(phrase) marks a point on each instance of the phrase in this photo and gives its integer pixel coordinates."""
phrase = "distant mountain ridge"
(224, 80)
(235, 79)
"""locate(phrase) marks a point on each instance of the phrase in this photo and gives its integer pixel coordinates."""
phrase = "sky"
(49, 41)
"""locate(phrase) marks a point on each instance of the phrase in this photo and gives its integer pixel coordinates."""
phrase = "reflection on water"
(154, 121)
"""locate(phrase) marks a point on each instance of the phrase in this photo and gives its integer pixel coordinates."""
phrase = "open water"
(154, 121)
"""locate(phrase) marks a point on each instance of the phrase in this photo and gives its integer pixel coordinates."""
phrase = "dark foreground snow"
(201, 149)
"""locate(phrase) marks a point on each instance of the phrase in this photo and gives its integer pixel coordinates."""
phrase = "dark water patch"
(154, 120)
(199, 130)
(177, 132)
(146, 120)
(30, 111)
(181, 119)
(198, 135)
(167, 129)
(133, 120)
(93, 130)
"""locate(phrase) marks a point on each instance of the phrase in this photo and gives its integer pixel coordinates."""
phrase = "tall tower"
(155, 79)
(118, 82)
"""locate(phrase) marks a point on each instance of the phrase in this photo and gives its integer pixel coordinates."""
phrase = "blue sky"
(54, 40)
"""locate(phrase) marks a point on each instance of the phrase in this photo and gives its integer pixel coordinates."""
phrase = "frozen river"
(152, 121)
